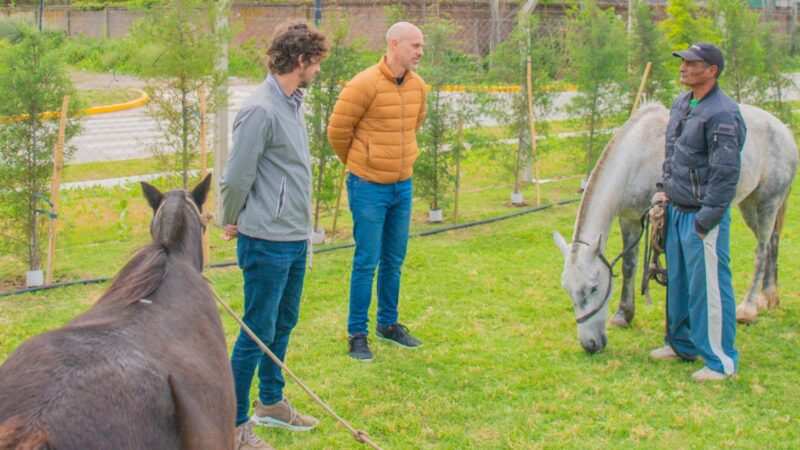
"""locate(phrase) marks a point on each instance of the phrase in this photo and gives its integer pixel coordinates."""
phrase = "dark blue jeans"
(381, 217)
(273, 282)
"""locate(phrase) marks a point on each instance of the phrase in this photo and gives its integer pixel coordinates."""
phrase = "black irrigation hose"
(332, 248)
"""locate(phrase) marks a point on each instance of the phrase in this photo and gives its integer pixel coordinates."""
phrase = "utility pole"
(221, 114)
(40, 17)
(317, 12)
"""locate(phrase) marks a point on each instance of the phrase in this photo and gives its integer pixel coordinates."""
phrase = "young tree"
(180, 53)
(648, 44)
(344, 60)
(686, 24)
(528, 39)
(33, 81)
(433, 167)
(739, 31)
(774, 81)
(597, 50)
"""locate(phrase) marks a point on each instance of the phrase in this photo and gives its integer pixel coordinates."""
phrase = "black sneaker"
(398, 334)
(359, 348)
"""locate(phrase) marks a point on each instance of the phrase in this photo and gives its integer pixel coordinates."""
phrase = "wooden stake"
(338, 201)
(532, 124)
(459, 147)
(201, 93)
(641, 87)
(58, 166)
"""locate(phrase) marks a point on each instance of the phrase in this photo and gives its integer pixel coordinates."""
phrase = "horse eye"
(594, 290)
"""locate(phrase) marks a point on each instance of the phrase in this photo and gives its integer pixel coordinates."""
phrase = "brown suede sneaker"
(282, 415)
(246, 439)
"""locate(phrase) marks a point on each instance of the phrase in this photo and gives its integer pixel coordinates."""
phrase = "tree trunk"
(185, 134)
(320, 179)
(438, 130)
(592, 126)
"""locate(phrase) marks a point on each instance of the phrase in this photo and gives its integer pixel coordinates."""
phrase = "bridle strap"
(610, 266)
(593, 312)
(203, 219)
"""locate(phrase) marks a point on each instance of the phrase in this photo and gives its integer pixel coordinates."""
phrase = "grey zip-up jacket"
(702, 160)
(266, 187)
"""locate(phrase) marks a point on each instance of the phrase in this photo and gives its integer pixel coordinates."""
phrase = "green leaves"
(597, 49)
(33, 80)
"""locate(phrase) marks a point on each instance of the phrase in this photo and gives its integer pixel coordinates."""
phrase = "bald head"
(402, 31)
(404, 46)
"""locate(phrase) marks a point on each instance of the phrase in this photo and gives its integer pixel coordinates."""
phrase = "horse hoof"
(746, 313)
(619, 320)
(773, 299)
(761, 302)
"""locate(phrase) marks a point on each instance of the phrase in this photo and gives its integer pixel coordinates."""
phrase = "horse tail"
(771, 276)
(779, 219)
(18, 434)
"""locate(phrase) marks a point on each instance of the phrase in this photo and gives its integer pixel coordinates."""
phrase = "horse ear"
(153, 195)
(200, 192)
(561, 243)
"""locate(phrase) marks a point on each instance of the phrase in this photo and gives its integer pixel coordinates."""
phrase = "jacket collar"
(387, 72)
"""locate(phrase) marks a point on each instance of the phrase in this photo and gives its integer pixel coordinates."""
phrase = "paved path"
(132, 134)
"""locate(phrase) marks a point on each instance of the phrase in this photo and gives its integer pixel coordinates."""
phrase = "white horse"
(621, 185)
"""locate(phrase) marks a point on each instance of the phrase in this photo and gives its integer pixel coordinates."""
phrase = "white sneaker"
(663, 353)
(706, 374)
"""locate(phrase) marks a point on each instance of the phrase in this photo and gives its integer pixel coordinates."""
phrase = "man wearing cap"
(704, 139)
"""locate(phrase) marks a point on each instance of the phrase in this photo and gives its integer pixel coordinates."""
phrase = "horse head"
(178, 222)
(587, 279)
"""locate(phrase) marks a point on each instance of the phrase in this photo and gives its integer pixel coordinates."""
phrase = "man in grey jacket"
(266, 196)
(704, 139)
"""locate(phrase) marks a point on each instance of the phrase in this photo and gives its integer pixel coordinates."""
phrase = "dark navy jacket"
(703, 156)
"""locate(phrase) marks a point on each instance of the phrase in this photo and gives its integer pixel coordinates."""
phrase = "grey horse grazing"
(621, 185)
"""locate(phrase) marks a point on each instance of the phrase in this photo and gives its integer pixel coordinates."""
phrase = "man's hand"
(229, 232)
(659, 197)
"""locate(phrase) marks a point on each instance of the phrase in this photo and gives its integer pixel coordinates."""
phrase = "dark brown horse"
(145, 368)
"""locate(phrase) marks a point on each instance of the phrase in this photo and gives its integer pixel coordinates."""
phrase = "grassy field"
(501, 367)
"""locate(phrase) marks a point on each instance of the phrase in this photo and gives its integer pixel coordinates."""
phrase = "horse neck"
(604, 194)
(189, 249)
(180, 235)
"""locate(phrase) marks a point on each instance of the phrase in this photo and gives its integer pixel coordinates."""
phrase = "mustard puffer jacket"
(373, 127)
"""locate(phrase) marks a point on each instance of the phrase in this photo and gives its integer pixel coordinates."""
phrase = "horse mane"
(145, 272)
(139, 278)
(643, 111)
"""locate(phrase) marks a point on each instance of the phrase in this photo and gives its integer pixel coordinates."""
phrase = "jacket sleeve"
(724, 139)
(347, 113)
(251, 132)
(666, 168)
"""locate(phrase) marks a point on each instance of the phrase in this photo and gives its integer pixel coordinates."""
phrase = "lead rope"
(358, 435)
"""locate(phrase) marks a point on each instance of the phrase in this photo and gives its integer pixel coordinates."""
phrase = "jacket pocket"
(281, 198)
(695, 184)
(366, 149)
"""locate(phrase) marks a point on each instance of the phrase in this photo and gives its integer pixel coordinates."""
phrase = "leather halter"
(600, 306)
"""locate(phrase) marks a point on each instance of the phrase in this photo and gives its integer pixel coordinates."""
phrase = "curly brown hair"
(292, 41)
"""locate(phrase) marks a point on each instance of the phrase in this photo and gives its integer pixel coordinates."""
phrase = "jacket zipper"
(281, 198)
(695, 184)
(402, 132)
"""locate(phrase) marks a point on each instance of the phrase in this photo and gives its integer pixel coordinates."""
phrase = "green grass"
(100, 97)
(110, 169)
(501, 367)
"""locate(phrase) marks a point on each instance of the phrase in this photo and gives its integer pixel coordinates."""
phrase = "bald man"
(373, 129)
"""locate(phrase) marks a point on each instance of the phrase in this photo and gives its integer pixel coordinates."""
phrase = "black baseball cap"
(709, 53)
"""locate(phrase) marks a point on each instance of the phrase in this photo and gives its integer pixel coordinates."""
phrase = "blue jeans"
(273, 282)
(381, 217)
(701, 311)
